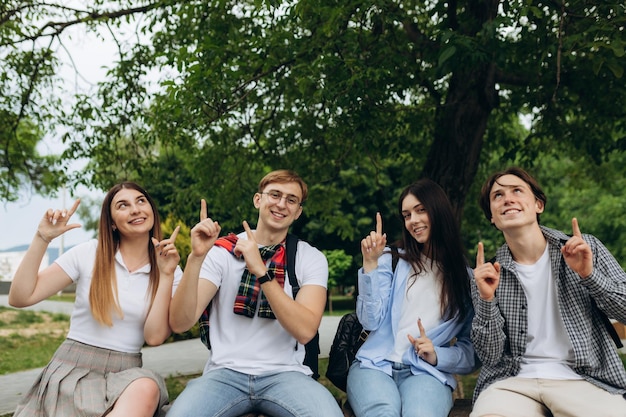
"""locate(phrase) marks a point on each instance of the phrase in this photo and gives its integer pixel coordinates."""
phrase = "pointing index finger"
(246, 227)
(421, 328)
(74, 207)
(379, 224)
(203, 211)
(575, 228)
(174, 234)
(480, 255)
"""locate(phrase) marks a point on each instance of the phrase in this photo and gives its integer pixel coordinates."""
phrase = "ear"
(256, 200)
(540, 206)
(114, 227)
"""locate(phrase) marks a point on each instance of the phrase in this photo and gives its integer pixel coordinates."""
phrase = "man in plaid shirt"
(541, 307)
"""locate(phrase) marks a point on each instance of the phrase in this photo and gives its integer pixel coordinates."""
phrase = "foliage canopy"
(361, 98)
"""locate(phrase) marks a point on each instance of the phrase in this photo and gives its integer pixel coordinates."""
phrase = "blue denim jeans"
(373, 393)
(227, 393)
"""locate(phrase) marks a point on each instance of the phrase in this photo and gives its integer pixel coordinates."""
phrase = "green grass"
(19, 353)
(20, 349)
(66, 296)
(26, 318)
(21, 318)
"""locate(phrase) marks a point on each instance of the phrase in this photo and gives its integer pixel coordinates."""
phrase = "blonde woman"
(124, 284)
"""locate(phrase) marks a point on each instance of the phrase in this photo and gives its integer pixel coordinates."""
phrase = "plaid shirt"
(499, 329)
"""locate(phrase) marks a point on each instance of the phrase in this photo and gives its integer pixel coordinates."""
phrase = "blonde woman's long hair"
(103, 295)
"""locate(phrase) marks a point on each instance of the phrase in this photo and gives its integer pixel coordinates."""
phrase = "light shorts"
(529, 397)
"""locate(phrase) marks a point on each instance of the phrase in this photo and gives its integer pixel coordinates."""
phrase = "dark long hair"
(444, 246)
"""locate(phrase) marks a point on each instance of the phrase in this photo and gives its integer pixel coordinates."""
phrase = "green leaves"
(360, 98)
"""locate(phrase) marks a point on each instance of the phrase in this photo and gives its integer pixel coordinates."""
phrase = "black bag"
(312, 348)
(347, 342)
(348, 339)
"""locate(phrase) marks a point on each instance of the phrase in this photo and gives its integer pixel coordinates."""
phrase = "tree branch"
(55, 28)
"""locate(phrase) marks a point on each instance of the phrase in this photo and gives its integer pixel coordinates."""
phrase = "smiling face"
(279, 205)
(416, 219)
(513, 203)
(131, 213)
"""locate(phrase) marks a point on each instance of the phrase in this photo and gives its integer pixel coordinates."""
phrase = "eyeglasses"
(275, 197)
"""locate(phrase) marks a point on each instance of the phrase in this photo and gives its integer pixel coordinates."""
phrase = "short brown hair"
(283, 176)
(485, 202)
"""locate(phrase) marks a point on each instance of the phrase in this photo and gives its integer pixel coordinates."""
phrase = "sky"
(19, 220)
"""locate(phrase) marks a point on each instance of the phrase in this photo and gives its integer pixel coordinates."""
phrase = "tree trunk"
(459, 131)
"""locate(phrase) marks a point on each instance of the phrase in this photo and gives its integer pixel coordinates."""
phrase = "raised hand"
(204, 233)
(487, 275)
(577, 253)
(423, 346)
(55, 222)
(249, 249)
(372, 245)
(167, 257)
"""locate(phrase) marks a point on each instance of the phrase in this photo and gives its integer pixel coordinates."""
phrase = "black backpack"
(312, 348)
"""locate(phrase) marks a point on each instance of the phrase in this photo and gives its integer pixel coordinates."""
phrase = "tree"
(22, 165)
(360, 98)
(338, 265)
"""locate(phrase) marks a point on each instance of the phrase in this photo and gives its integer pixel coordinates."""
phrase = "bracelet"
(42, 237)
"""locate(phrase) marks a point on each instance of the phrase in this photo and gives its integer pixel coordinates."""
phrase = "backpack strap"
(608, 326)
(292, 247)
(312, 348)
(394, 257)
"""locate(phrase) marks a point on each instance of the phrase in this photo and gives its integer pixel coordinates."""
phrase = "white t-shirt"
(255, 345)
(549, 352)
(422, 299)
(126, 335)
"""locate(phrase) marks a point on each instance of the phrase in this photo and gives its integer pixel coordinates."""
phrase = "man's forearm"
(184, 303)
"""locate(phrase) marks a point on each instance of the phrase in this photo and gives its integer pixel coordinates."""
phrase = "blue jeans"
(373, 393)
(227, 393)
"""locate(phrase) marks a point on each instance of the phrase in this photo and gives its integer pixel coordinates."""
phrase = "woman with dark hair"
(419, 313)
(124, 285)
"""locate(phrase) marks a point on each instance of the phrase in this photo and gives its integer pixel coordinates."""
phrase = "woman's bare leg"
(139, 399)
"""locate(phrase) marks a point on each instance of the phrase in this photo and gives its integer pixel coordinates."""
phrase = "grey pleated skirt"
(84, 381)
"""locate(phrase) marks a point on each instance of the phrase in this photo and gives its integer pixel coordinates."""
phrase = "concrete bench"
(462, 408)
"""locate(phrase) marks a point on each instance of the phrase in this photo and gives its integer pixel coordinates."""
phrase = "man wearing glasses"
(257, 330)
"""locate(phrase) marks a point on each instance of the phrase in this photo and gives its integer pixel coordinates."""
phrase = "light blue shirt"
(379, 304)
